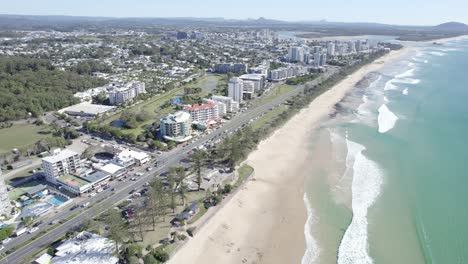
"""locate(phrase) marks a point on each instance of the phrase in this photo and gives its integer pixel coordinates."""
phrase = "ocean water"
(389, 173)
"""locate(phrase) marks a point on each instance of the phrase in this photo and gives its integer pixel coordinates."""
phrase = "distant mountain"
(452, 26)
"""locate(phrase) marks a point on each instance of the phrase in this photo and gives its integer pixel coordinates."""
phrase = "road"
(107, 199)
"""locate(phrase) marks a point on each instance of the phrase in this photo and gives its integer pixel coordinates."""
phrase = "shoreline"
(264, 221)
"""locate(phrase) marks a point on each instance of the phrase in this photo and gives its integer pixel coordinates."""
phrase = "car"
(133, 179)
(32, 230)
(1, 248)
(38, 223)
(85, 204)
(74, 207)
(6, 240)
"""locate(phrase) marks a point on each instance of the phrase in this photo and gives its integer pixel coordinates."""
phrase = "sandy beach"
(264, 222)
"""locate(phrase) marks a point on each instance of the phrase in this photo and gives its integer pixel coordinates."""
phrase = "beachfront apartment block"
(176, 127)
(203, 113)
(122, 94)
(231, 106)
(5, 205)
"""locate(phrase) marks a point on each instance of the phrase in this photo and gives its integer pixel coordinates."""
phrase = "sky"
(398, 12)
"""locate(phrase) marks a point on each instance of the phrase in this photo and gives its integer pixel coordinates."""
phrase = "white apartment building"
(5, 206)
(221, 106)
(235, 89)
(231, 105)
(331, 49)
(258, 80)
(120, 95)
(203, 112)
(176, 127)
(62, 162)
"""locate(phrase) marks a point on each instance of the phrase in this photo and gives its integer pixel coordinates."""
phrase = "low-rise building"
(86, 248)
(231, 67)
(60, 163)
(231, 105)
(87, 109)
(176, 127)
(122, 94)
(258, 80)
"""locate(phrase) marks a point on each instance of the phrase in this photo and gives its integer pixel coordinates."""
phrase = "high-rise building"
(235, 89)
(176, 127)
(358, 45)
(5, 206)
(203, 112)
(296, 54)
(352, 47)
(331, 49)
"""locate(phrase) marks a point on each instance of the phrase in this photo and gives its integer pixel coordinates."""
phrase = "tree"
(161, 255)
(27, 221)
(172, 183)
(118, 230)
(149, 259)
(6, 232)
(198, 162)
(182, 187)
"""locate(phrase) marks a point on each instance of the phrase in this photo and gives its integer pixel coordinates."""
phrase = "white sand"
(264, 222)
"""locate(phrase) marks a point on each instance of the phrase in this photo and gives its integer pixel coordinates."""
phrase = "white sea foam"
(386, 99)
(390, 86)
(437, 53)
(367, 181)
(386, 119)
(405, 91)
(407, 80)
(407, 73)
(312, 249)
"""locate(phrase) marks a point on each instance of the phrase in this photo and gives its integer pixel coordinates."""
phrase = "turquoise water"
(56, 200)
(408, 185)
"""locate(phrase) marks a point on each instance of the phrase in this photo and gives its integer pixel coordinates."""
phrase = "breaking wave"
(367, 181)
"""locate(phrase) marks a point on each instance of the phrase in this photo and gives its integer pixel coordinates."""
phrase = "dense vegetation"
(30, 85)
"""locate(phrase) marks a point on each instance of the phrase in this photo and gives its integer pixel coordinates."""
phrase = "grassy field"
(152, 106)
(268, 117)
(276, 92)
(208, 83)
(20, 135)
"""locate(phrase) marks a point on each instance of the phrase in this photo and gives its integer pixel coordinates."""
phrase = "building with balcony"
(176, 127)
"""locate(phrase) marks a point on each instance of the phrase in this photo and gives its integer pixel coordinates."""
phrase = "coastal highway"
(107, 199)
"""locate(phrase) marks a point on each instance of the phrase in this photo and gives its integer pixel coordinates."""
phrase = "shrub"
(149, 259)
(161, 255)
(6, 232)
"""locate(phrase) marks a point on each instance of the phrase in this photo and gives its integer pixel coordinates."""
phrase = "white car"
(6, 240)
(86, 204)
(32, 230)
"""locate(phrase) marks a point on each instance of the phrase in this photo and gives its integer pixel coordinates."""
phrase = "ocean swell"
(386, 119)
(367, 180)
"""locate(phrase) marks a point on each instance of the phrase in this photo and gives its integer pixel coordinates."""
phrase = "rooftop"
(62, 155)
(87, 108)
(198, 107)
(72, 180)
(86, 248)
(177, 117)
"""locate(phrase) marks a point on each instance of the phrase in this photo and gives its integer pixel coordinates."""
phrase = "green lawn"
(277, 91)
(208, 83)
(268, 117)
(21, 135)
(152, 106)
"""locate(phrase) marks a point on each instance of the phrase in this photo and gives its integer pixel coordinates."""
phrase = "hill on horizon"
(454, 26)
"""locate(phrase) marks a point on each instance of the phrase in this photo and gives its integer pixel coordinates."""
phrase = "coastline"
(264, 221)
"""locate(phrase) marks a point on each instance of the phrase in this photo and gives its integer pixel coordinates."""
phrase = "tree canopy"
(30, 85)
